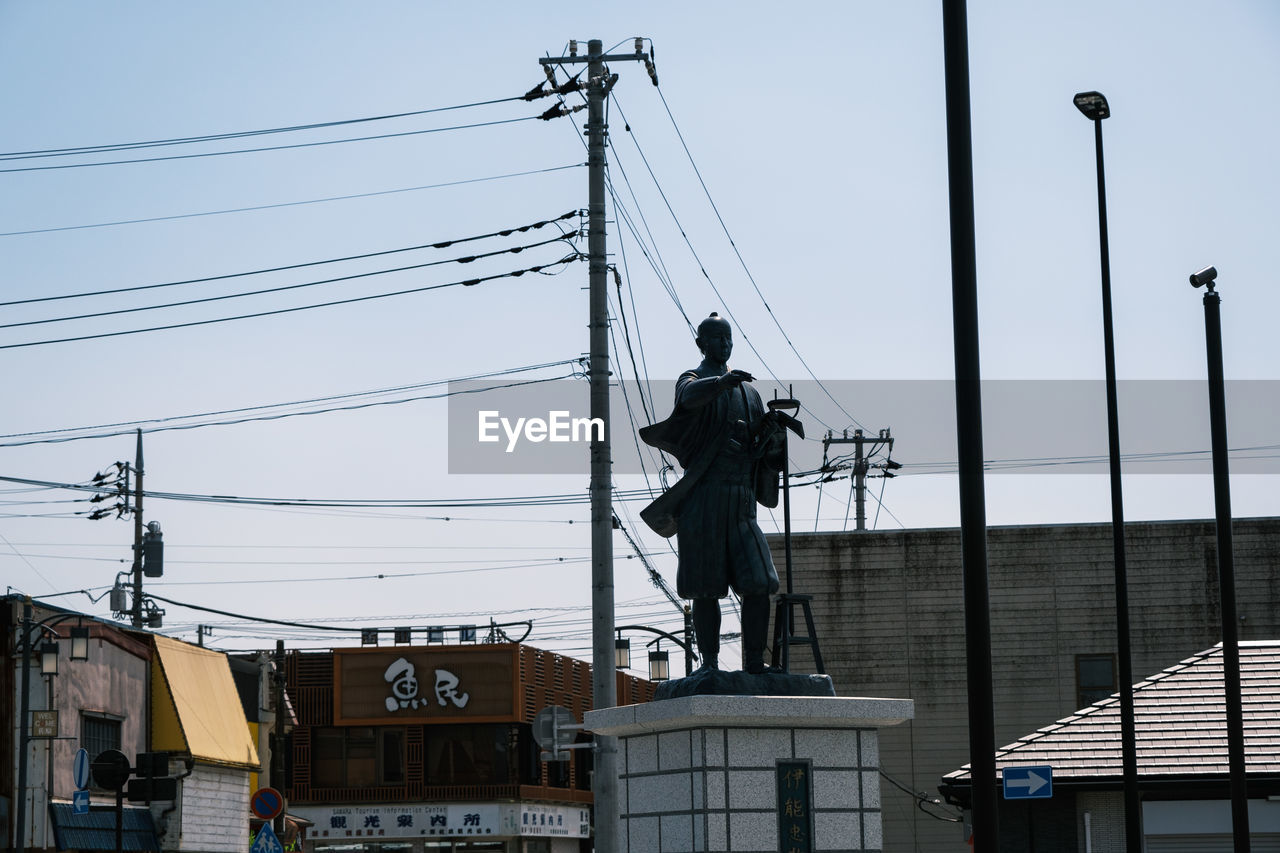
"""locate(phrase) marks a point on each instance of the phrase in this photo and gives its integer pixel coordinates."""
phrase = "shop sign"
(402, 821)
(440, 684)
(543, 821)
(44, 724)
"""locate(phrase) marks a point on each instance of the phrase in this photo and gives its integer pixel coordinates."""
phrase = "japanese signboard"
(451, 684)
(401, 821)
(795, 807)
(539, 820)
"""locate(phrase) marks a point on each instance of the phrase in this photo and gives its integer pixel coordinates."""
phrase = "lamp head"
(1093, 105)
(1203, 277)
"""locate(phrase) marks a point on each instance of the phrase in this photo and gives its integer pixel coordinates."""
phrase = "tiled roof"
(1181, 728)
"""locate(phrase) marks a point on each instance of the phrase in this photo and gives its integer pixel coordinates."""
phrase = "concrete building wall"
(890, 619)
(212, 814)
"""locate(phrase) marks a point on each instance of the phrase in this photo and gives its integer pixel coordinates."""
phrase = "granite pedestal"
(701, 774)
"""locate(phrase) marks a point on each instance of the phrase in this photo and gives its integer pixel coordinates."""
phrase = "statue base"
(718, 682)
(712, 774)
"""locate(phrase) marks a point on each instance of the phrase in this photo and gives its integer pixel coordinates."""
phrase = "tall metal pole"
(24, 703)
(1226, 573)
(973, 513)
(1128, 723)
(136, 610)
(603, 674)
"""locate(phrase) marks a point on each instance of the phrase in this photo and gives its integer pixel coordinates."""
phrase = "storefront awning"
(97, 829)
(196, 708)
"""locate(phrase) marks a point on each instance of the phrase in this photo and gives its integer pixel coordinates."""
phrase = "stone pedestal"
(701, 774)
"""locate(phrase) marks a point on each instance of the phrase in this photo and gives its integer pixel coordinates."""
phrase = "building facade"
(133, 692)
(425, 749)
(890, 620)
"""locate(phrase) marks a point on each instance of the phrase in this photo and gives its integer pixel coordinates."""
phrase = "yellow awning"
(195, 707)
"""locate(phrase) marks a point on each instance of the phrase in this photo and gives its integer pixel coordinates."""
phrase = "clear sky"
(819, 131)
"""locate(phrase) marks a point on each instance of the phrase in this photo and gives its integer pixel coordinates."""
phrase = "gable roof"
(1180, 726)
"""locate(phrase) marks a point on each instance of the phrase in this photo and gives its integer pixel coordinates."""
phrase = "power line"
(466, 283)
(123, 427)
(515, 250)
(442, 244)
(272, 147)
(182, 140)
(743, 262)
(290, 203)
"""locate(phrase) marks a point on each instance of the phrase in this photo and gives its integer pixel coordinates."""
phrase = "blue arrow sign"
(80, 801)
(1028, 783)
(267, 841)
(80, 768)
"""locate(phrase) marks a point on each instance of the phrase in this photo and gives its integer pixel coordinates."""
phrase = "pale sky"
(819, 132)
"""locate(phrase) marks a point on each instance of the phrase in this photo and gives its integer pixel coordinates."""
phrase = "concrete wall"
(890, 618)
(212, 812)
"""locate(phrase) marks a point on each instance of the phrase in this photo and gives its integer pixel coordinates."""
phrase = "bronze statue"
(731, 450)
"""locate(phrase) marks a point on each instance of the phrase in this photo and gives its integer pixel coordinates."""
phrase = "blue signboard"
(1028, 783)
(80, 768)
(80, 801)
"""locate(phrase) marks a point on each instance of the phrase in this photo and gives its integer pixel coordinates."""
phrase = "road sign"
(80, 801)
(1028, 783)
(266, 803)
(554, 730)
(267, 841)
(44, 724)
(80, 768)
(111, 769)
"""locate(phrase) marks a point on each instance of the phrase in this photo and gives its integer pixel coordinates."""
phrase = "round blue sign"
(80, 769)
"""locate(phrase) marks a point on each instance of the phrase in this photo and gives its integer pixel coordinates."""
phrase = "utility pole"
(277, 730)
(862, 464)
(603, 675)
(136, 610)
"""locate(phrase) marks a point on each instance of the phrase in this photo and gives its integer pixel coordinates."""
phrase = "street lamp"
(80, 642)
(621, 652)
(48, 666)
(1226, 560)
(1095, 108)
(659, 663)
(49, 658)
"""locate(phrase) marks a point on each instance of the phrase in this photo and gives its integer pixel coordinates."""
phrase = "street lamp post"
(1226, 561)
(1095, 108)
(48, 666)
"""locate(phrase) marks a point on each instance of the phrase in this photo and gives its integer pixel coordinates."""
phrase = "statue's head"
(715, 338)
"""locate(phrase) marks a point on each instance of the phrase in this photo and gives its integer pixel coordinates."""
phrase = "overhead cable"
(150, 423)
(212, 137)
(273, 147)
(742, 261)
(465, 283)
(443, 244)
(514, 250)
(289, 203)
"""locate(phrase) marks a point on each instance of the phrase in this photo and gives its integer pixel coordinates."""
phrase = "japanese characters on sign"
(425, 685)
(549, 820)
(403, 821)
(795, 807)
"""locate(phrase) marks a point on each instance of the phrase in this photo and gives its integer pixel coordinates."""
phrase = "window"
(98, 733)
(1095, 678)
(358, 757)
(467, 755)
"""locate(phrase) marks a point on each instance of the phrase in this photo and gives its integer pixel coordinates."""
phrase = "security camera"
(1203, 277)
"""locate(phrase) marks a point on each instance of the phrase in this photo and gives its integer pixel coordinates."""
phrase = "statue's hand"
(734, 378)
